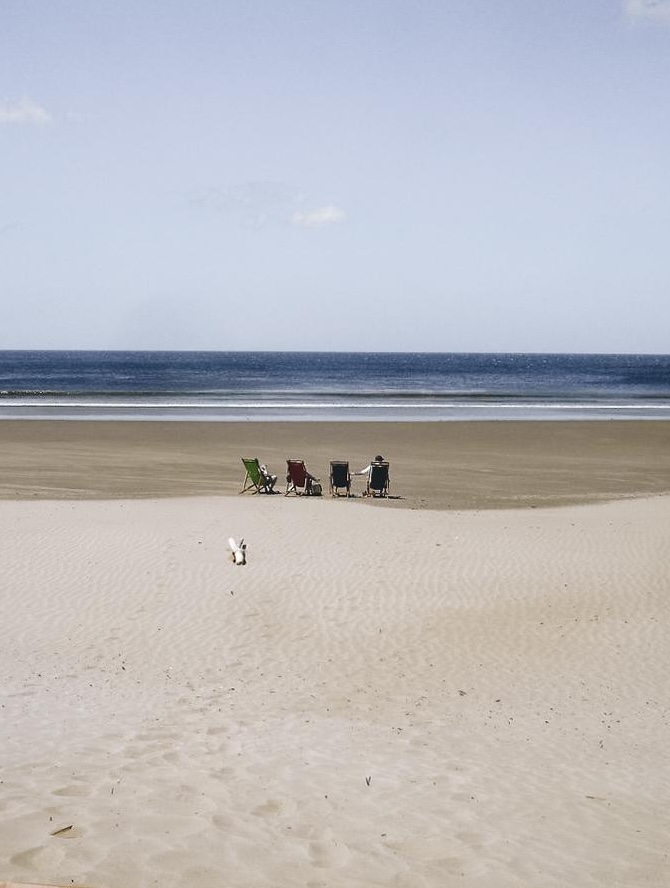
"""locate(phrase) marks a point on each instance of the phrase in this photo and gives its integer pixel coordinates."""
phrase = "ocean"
(342, 386)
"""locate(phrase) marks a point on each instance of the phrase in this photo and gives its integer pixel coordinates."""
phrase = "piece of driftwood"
(238, 552)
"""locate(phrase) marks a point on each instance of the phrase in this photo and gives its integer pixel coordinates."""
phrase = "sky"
(377, 175)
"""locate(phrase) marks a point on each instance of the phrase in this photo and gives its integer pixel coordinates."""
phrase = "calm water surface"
(253, 386)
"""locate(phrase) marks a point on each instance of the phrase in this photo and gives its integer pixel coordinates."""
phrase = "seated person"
(270, 480)
(366, 471)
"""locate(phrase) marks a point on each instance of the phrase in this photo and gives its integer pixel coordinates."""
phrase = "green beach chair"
(254, 480)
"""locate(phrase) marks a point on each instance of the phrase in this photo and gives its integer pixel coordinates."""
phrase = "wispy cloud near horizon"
(263, 204)
(327, 215)
(23, 111)
(653, 10)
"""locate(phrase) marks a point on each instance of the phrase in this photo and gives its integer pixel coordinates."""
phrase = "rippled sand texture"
(379, 698)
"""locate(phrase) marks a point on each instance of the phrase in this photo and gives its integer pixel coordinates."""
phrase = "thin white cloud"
(654, 10)
(24, 111)
(263, 204)
(327, 215)
(256, 204)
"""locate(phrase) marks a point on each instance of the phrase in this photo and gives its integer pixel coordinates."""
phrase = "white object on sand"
(239, 553)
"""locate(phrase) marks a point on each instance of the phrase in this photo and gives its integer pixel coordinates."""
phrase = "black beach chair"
(378, 479)
(340, 478)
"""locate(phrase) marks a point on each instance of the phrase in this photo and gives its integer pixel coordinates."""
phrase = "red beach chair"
(299, 480)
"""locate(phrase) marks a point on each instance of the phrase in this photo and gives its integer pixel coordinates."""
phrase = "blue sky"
(439, 175)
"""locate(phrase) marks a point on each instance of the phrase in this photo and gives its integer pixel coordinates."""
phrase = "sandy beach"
(463, 685)
(441, 465)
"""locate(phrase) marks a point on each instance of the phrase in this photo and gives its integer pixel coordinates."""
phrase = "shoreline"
(434, 465)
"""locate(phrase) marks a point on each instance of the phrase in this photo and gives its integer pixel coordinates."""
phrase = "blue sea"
(257, 386)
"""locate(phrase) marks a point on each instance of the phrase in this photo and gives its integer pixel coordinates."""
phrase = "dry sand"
(386, 697)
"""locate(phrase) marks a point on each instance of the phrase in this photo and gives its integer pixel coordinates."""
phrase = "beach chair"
(378, 480)
(254, 480)
(299, 480)
(340, 478)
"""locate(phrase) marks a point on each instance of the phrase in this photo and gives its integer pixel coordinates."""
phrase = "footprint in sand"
(328, 853)
(42, 858)
(172, 758)
(72, 791)
(215, 732)
(222, 774)
(270, 808)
